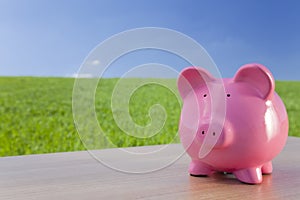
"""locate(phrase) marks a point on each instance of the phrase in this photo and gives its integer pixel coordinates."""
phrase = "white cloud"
(75, 75)
(95, 62)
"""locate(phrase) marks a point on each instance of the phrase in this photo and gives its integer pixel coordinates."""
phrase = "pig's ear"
(192, 78)
(259, 77)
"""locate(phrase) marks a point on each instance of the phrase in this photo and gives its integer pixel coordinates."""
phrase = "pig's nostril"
(214, 133)
(202, 132)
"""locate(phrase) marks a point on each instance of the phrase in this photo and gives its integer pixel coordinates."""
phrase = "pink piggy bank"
(236, 125)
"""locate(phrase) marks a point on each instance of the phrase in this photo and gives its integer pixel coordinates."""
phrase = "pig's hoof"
(197, 168)
(267, 168)
(249, 176)
(199, 175)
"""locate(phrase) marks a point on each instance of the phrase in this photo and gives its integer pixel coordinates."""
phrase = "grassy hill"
(36, 114)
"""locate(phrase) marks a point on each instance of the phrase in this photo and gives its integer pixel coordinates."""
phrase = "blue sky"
(52, 38)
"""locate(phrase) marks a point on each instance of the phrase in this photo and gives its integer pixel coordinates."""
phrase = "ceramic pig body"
(243, 126)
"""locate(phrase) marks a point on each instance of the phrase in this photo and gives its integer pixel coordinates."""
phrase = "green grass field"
(36, 114)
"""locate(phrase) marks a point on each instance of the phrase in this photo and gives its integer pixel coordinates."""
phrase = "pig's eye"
(228, 95)
(205, 95)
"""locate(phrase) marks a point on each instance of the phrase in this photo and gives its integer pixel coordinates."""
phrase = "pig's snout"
(209, 129)
(204, 130)
(215, 134)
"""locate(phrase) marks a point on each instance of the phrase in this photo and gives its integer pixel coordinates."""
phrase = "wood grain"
(77, 175)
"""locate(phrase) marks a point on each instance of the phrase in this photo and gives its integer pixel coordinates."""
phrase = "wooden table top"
(76, 175)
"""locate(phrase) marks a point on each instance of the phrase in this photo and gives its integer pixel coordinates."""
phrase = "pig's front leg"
(198, 168)
(250, 175)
